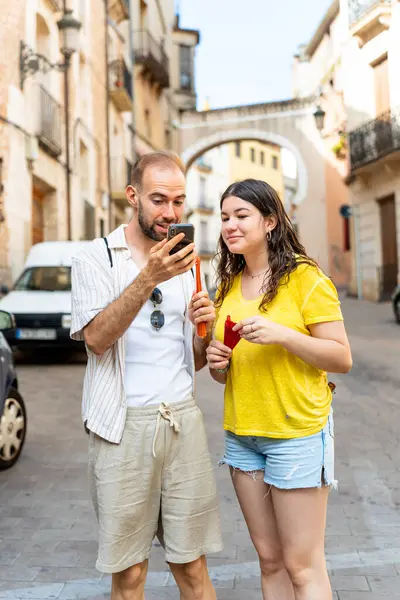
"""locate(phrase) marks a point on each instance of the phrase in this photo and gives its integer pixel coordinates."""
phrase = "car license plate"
(36, 334)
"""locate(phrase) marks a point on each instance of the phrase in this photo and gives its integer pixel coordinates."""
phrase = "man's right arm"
(109, 325)
(110, 322)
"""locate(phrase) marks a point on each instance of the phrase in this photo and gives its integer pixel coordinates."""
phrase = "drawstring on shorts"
(164, 412)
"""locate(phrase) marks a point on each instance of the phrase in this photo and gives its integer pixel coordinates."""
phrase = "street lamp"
(69, 28)
(31, 62)
(319, 116)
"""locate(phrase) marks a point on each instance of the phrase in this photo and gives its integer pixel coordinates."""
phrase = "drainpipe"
(67, 152)
(356, 213)
(106, 18)
(132, 60)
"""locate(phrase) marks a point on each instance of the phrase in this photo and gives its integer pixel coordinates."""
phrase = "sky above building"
(246, 49)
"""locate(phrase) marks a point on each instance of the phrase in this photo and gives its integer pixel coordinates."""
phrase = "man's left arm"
(201, 310)
(200, 346)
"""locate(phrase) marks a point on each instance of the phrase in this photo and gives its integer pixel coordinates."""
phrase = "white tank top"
(155, 369)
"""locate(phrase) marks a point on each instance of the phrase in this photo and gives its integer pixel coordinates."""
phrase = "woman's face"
(243, 229)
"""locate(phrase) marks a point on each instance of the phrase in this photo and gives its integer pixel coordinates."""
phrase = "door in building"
(389, 268)
(37, 216)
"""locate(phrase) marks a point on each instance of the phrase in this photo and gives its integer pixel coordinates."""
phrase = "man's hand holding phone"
(162, 266)
(177, 228)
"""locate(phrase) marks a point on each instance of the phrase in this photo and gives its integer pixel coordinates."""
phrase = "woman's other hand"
(259, 330)
(218, 355)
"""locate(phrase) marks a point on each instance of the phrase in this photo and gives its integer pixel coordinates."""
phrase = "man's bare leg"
(193, 580)
(129, 584)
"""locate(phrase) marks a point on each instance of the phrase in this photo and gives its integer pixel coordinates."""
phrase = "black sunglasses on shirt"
(157, 318)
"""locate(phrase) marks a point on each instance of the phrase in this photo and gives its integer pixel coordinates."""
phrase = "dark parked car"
(13, 419)
(396, 303)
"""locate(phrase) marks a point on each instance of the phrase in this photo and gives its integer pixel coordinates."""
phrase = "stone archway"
(217, 139)
(289, 124)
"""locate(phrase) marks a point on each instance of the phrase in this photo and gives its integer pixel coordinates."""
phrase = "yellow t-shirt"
(269, 391)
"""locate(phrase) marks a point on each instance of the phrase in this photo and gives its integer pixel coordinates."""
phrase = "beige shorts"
(158, 481)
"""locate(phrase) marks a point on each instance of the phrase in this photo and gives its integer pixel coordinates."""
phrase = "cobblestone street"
(47, 526)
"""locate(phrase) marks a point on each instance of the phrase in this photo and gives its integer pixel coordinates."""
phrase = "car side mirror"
(7, 321)
(4, 290)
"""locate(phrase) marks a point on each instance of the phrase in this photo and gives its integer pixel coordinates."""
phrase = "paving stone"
(65, 574)
(78, 591)
(55, 559)
(349, 582)
(384, 584)
(9, 527)
(20, 591)
(10, 550)
(18, 573)
(368, 596)
(385, 570)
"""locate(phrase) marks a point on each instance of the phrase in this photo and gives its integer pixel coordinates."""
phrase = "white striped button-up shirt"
(95, 284)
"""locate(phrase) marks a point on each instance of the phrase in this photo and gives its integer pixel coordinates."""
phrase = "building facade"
(129, 78)
(257, 160)
(144, 118)
(371, 61)
(351, 65)
(318, 71)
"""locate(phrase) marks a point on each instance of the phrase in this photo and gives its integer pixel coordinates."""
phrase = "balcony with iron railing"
(120, 85)
(120, 179)
(48, 122)
(375, 139)
(152, 57)
(368, 18)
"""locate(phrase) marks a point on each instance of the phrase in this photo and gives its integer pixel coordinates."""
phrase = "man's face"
(160, 201)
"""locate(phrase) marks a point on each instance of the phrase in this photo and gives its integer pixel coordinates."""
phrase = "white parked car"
(40, 300)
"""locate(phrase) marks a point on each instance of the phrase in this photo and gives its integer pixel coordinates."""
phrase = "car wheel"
(397, 309)
(13, 425)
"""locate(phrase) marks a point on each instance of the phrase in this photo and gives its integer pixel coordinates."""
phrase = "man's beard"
(149, 228)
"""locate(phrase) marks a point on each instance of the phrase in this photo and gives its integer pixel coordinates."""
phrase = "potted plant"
(340, 147)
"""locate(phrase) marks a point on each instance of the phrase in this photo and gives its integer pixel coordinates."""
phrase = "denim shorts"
(305, 462)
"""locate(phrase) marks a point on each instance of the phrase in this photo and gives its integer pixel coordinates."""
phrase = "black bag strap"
(108, 252)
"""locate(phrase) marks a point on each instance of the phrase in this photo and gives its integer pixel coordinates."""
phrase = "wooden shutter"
(382, 91)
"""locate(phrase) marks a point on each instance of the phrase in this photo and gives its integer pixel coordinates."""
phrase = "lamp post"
(69, 28)
(319, 116)
(31, 62)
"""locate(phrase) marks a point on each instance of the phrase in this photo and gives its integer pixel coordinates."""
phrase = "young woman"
(277, 418)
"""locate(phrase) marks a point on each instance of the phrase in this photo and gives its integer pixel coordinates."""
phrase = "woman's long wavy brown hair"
(285, 252)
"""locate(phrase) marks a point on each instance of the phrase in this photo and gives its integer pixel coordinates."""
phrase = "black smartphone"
(176, 229)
